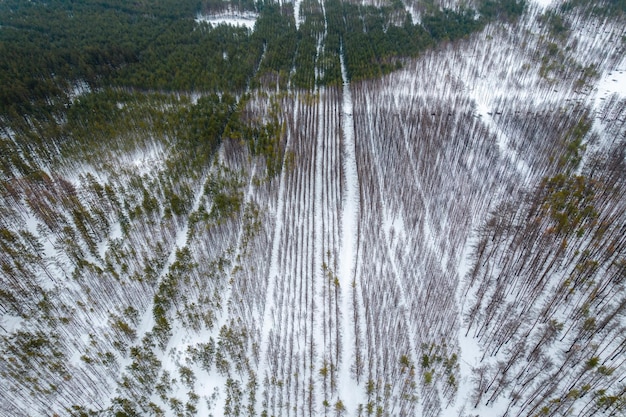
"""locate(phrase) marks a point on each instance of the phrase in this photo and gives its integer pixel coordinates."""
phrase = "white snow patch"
(613, 82)
(8, 132)
(78, 89)
(416, 17)
(32, 225)
(149, 160)
(10, 323)
(208, 385)
(296, 13)
(232, 18)
(194, 97)
(544, 3)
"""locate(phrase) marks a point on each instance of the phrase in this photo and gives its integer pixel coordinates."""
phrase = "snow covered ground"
(245, 19)
(613, 82)
(544, 4)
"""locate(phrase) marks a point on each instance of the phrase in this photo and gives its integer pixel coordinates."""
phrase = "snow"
(245, 19)
(9, 323)
(78, 89)
(115, 233)
(194, 97)
(49, 252)
(416, 19)
(208, 385)
(469, 359)
(147, 320)
(469, 352)
(296, 13)
(613, 82)
(483, 111)
(544, 3)
(147, 161)
(349, 239)
(394, 226)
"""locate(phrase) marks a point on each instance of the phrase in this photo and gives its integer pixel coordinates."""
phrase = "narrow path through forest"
(349, 239)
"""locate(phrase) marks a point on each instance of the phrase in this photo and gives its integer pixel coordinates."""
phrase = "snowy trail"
(296, 13)
(318, 246)
(349, 239)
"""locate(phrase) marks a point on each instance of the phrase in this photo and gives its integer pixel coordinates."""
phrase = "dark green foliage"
(233, 404)
(569, 202)
(110, 120)
(26, 354)
(603, 8)
(508, 10)
(123, 407)
(204, 124)
(187, 56)
(47, 48)
(329, 61)
(275, 33)
(374, 45)
(356, 31)
(574, 149)
(306, 59)
(450, 25)
(203, 354)
(225, 189)
(265, 141)
(557, 25)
